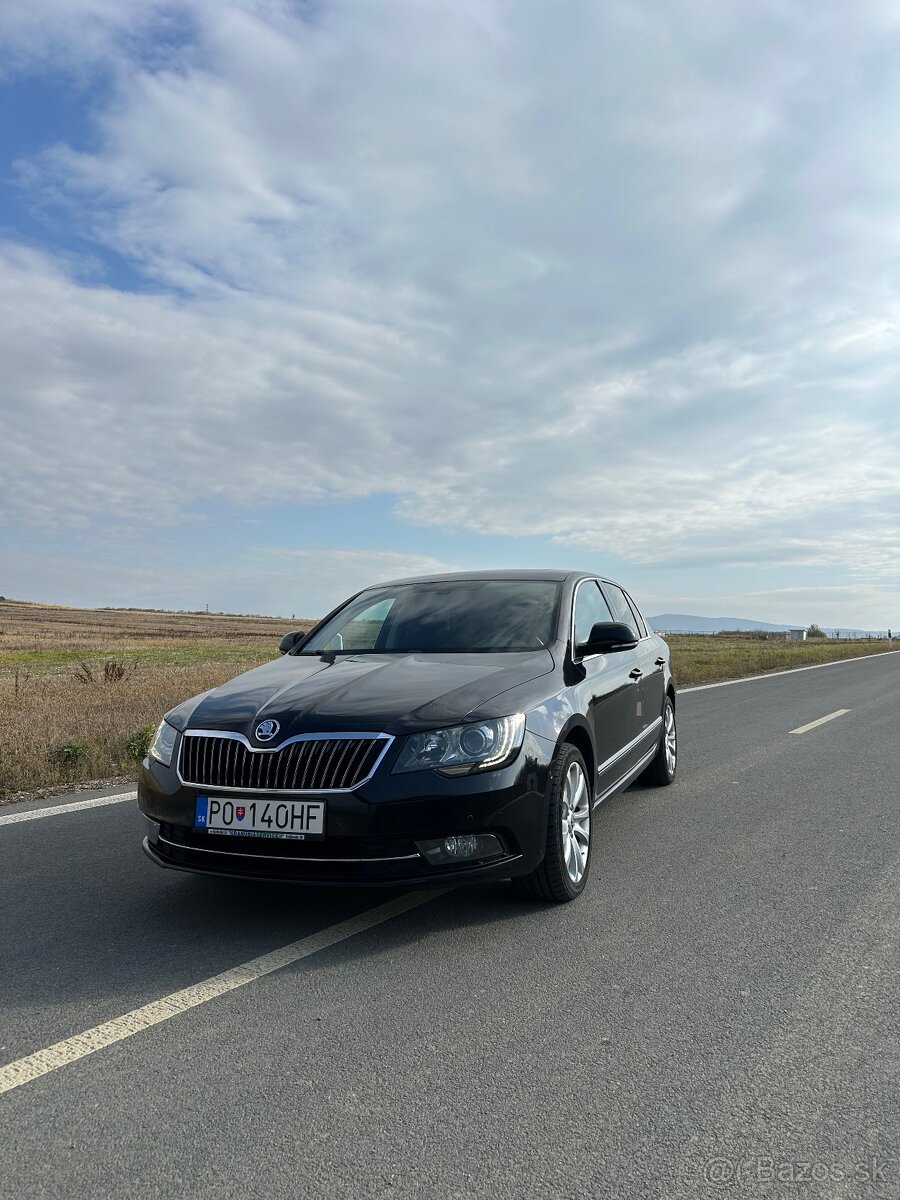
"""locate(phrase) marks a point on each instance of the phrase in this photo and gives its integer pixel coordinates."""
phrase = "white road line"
(56, 809)
(838, 712)
(25, 1070)
(840, 662)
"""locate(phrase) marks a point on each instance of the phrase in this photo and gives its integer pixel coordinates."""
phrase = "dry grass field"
(80, 688)
(701, 658)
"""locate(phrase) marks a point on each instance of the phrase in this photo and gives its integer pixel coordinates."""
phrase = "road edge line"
(55, 810)
(838, 662)
(60, 1054)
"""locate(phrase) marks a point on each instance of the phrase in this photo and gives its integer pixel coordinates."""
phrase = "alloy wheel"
(575, 812)
(671, 740)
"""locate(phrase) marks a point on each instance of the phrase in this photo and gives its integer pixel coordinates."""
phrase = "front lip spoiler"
(285, 857)
(459, 874)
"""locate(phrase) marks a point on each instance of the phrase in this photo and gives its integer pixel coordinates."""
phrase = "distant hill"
(688, 623)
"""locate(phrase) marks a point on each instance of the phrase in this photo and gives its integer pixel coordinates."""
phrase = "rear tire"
(562, 874)
(661, 771)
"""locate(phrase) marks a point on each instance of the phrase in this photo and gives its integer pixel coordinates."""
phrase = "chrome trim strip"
(634, 741)
(387, 738)
(629, 777)
(587, 579)
(284, 857)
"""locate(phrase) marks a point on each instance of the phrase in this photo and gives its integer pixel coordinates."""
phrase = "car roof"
(455, 576)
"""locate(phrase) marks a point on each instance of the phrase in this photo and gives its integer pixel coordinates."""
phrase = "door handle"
(636, 673)
(660, 662)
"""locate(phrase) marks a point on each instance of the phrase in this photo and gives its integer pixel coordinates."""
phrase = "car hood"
(377, 692)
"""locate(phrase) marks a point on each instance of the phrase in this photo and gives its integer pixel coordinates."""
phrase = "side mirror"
(290, 640)
(608, 637)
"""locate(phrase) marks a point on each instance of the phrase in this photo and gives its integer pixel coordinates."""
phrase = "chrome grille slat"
(322, 767)
(348, 754)
(351, 760)
(368, 763)
(308, 763)
(357, 759)
(290, 765)
(337, 762)
(306, 777)
(307, 769)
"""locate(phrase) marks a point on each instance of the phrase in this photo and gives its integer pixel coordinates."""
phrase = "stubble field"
(81, 688)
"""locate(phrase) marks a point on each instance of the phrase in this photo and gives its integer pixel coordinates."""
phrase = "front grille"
(309, 765)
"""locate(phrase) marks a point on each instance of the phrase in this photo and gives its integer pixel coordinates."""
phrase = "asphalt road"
(717, 1016)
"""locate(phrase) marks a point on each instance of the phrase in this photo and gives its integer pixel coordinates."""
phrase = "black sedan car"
(441, 729)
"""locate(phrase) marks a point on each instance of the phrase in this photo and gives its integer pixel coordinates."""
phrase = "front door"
(612, 691)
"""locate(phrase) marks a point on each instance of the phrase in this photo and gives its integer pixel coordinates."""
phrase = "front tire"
(661, 771)
(562, 874)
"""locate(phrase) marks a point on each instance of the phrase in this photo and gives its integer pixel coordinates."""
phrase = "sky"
(301, 295)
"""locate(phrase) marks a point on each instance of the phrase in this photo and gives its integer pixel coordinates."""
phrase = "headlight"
(163, 745)
(464, 748)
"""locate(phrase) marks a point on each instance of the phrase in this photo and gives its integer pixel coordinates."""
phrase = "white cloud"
(274, 581)
(616, 275)
(80, 36)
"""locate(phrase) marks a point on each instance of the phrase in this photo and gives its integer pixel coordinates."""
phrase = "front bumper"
(370, 833)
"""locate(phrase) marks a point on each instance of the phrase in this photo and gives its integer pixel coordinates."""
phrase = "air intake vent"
(304, 764)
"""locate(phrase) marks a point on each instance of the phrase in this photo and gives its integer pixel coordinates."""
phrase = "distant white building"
(796, 635)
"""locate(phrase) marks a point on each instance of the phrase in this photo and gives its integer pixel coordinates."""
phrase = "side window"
(641, 623)
(590, 607)
(621, 609)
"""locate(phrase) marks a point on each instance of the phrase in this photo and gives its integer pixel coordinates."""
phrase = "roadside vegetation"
(82, 689)
(708, 658)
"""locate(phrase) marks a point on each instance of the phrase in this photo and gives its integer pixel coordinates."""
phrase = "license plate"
(298, 819)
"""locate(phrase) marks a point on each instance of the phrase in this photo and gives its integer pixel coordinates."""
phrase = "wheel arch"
(578, 736)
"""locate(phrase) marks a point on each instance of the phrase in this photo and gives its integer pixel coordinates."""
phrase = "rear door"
(611, 689)
(647, 658)
(653, 664)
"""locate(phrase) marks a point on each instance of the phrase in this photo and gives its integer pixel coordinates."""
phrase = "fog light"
(462, 848)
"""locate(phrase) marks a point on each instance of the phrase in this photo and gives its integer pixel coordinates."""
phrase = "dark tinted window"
(454, 617)
(621, 609)
(590, 607)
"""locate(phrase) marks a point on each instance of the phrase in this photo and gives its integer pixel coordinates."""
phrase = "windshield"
(465, 616)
